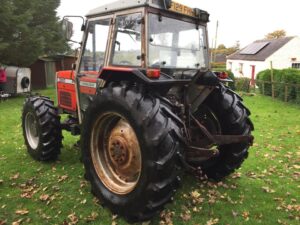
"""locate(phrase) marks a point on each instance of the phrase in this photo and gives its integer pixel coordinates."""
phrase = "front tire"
(41, 128)
(130, 147)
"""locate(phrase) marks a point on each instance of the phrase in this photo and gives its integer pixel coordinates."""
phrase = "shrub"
(282, 77)
(217, 65)
(242, 84)
(231, 76)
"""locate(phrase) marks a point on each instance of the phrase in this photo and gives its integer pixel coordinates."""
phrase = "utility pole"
(216, 39)
(212, 50)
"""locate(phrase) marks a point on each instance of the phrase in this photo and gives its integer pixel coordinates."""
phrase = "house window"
(230, 66)
(241, 67)
(296, 65)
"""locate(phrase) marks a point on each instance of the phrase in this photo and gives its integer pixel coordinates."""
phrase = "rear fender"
(118, 74)
(200, 88)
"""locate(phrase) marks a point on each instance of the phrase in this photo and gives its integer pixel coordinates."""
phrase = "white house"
(281, 53)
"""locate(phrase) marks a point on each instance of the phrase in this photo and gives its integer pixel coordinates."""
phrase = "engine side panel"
(66, 93)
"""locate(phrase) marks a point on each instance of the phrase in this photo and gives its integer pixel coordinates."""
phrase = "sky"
(239, 20)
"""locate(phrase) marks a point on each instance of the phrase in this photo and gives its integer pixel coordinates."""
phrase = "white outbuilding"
(281, 53)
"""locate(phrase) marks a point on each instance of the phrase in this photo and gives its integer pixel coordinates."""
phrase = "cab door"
(93, 58)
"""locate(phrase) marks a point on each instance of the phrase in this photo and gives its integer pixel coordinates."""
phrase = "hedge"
(242, 84)
(231, 76)
(217, 65)
(282, 77)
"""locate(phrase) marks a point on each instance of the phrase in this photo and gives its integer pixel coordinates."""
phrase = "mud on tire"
(159, 139)
(41, 128)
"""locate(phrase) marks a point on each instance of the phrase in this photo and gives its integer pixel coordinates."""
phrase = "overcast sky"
(239, 20)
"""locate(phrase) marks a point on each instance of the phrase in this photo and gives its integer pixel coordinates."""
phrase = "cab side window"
(95, 48)
(127, 43)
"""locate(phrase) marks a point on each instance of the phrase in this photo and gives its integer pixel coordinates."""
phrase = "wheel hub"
(118, 151)
(34, 129)
(31, 130)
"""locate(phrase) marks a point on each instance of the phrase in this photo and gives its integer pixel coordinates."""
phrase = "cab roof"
(125, 4)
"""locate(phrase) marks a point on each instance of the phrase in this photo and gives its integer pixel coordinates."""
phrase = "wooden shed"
(43, 71)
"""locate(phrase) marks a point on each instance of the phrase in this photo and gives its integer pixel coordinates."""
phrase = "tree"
(221, 46)
(225, 51)
(276, 34)
(29, 29)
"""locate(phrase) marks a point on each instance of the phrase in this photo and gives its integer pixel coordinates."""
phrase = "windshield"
(176, 44)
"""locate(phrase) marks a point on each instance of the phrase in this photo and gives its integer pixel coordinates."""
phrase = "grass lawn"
(265, 190)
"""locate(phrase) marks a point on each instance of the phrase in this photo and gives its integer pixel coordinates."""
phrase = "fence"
(284, 91)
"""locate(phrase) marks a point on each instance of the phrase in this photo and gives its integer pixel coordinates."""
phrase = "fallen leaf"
(212, 221)
(268, 190)
(92, 217)
(73, 219)
(235, 214)
(44, 197)
(195, 194)
(83, 183)
(18, 222)
(22, 212)
(166, 217)
(16, 176)
(62, 178)
(297, 167)
(246, 215)
(186, 216)
(236, 175)
(114, 217)
(27, 195)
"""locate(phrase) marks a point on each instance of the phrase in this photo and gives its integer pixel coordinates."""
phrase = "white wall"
(247, 69)
(283, 57)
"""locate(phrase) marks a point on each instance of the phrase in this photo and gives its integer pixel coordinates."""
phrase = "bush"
(218, 65)
(242, 84)
(282, 77)
(231, 76)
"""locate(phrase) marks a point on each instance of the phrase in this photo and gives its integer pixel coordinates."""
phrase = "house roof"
(260, 50)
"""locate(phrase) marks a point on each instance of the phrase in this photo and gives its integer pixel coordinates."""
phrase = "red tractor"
(146, 107)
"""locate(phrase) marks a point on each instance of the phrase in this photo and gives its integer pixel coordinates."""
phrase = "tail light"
(222, 75)
(153, 73)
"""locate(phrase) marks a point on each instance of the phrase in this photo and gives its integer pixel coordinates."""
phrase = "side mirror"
(67, 28)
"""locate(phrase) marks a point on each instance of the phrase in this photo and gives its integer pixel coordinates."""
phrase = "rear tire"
(231, 117)
(41, 128)
(158, 139)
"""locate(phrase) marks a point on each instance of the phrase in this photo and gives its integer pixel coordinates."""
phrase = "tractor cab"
(157, 42)
(150, 34)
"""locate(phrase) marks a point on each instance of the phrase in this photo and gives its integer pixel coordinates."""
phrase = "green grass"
(264, 191)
